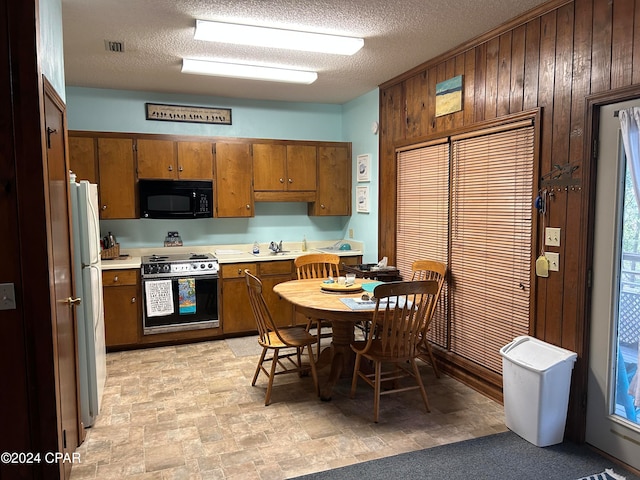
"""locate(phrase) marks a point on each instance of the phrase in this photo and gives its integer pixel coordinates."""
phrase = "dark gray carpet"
(504, 456)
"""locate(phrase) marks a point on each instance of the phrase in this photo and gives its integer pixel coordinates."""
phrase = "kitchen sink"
(282, 253)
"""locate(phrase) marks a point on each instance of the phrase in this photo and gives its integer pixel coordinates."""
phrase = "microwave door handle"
(194, 197)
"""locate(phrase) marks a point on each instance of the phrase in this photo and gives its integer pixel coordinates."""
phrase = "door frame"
(592, 124)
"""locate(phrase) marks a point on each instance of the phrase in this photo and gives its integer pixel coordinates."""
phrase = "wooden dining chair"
(318, 265)
(291, 340)
(401, 318)
(430, 270)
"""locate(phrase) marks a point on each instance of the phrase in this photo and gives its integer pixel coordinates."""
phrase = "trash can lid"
(536, 354)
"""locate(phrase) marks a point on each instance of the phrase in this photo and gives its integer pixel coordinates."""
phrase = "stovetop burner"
(157, 258)
(177, 258)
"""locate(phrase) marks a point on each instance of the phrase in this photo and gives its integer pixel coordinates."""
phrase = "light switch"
(7, 296)
(554, 261)
(552, 237)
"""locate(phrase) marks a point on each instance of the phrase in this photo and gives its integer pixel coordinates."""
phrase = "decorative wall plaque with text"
(186, 113)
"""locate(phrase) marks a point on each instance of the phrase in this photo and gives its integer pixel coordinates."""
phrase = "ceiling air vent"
(111, 46)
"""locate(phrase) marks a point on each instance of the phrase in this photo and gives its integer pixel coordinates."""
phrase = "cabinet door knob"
(171, 168)
(180, 168)
(282, 180)
(322, 205)
(239, 271)
(116, 279)
(104, 207)
(133, 299)
(290, 181)
(248, 207)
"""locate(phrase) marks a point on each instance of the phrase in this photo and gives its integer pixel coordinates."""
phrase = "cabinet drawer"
(112, 278)
(278, 267)
(236, 270)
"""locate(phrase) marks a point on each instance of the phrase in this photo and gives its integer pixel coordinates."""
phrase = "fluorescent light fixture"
(276, 38)
(254, 72)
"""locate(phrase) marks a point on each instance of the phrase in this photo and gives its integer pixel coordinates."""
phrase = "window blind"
(491, 242)
(478, 220)
(423, 217)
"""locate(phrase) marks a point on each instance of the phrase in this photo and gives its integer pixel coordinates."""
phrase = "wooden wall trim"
(460, 49)
(195, 138)
(553, 59)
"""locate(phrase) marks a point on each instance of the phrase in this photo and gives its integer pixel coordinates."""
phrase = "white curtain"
(630, 124)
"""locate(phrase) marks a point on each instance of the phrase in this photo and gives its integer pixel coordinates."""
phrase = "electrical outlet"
(7, 296)
(351, 233)
(552, 237)
(554, 261)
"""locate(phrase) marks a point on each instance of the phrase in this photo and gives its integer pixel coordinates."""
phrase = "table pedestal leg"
(342, 357)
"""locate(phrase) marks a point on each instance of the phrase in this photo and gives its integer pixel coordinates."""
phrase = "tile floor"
(189, 412)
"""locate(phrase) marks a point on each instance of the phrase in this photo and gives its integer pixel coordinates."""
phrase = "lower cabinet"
(237, 316)
(122, 310)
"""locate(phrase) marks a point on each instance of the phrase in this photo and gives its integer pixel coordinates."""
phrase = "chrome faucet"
(275, 247)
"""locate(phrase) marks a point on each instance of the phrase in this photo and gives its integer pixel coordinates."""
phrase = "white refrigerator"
(90, 313)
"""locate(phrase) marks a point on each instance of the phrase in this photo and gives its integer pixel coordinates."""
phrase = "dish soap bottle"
(256, 247)
(304, 243)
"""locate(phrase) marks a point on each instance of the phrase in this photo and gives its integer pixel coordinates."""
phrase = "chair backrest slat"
(259, 307)
(402, 315)
(317, 265)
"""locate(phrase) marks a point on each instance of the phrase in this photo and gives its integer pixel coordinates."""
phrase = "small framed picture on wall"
(364, 166)
(362, 199)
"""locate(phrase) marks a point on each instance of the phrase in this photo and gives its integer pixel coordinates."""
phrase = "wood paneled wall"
(550, 59)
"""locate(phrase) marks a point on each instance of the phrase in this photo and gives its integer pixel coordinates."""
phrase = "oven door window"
(193, 304)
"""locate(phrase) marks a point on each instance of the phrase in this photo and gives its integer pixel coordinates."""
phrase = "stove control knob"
(210, 265)
(202, 265)
(166, 268)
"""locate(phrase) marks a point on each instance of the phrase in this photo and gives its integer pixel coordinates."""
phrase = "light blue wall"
(123, 111)
(50, 49)
(357, 118)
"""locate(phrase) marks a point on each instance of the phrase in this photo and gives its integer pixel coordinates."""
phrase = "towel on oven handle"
(186, 296)
(159, 298)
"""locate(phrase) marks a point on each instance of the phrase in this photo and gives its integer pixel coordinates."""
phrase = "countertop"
(131, 258)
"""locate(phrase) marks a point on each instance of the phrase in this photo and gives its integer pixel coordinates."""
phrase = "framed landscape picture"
(449, 96)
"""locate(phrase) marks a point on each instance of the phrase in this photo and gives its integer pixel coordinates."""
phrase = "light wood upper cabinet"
(279, 168)
(334, 182)
(233, 174)
(116, 179)
(195, 160)
(174, 160)
(82, 158)
(156, 158)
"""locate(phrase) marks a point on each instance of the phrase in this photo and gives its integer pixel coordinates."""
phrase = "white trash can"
(536, 379)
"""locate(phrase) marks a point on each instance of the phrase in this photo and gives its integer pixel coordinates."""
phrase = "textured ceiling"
(157, 34)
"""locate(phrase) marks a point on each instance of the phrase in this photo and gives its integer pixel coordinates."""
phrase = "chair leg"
(314, 373)
(310, 322)
(255, 376)
(423, 392)
(274, 363)
(319, 337)
(376, 388)
(432, 358)
(354, 380)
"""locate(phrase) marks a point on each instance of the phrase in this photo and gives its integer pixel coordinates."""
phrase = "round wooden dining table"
(312, 301)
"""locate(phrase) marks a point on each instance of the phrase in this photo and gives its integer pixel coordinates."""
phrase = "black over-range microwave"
(176, 198)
